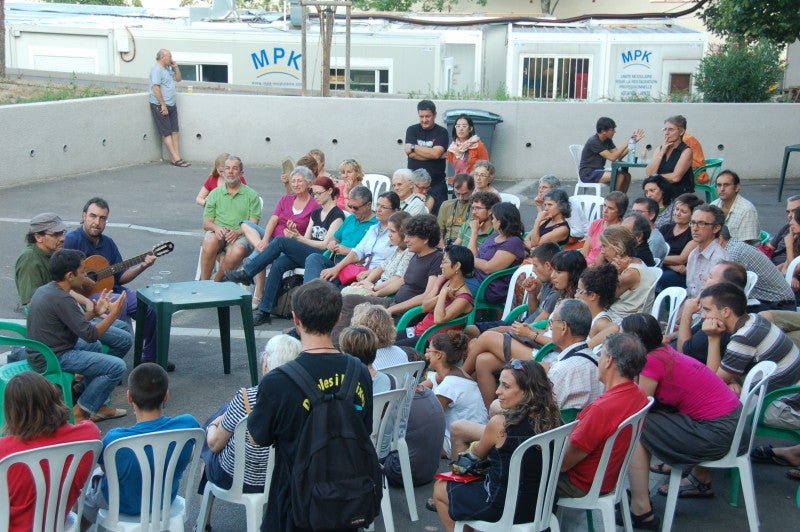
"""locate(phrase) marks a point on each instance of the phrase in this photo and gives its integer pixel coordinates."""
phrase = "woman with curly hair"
(597, 287)
(36, 416)
(504, 248)
(456, 391)
(551, 223)
(657, 189)
(528, 408)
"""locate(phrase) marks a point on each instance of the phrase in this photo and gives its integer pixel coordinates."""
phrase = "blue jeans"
(101, 373)
(285, 255)
(314, 265)
(118, 338)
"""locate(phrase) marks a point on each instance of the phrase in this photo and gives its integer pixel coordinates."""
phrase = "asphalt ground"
(155, 202)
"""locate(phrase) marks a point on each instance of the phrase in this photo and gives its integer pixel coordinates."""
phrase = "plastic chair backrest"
(656, 273)
(752, 279)
(591, 205)
(158, 473)
(673, 296)
(543, 351)
(399, 371)
(53, 486)
(384, 407)
(480, 296)
(712, 167)
(791, 269)
(377, 184)
(552, 446)
(575, 150)
(527, 269)
(240, 454)
(510, 198)
(635, 423)
(752, 396)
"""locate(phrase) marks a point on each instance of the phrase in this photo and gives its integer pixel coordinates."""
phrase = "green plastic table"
(616, 165)
(192, 295)
(787, 151)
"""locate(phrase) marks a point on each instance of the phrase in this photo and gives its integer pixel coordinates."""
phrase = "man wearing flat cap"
(44, 237)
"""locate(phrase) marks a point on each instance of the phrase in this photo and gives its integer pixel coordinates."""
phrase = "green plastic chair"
(543, 351)
(568, 415)
(412, 313)
(713, 167)
(52, 371)
(764, 237)
(480, 297)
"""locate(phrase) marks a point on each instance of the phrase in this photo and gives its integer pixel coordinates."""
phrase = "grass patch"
(15, 91)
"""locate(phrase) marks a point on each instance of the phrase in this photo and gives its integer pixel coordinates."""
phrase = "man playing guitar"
(90, 239)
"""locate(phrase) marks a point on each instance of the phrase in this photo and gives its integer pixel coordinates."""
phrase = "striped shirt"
(771, 285)
(759, 340)
(255, 467)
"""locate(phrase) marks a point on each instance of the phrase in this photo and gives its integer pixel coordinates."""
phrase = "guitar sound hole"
(92, 276)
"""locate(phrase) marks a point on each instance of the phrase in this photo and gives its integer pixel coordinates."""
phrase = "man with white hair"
(403, 186)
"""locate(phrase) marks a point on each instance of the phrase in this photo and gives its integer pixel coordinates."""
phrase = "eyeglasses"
(383, 207)
(315, 194)
(517, 365)
(580, 292)
(696, 223)
(354, 207)
(670, 129)
(57, 234)
(550, 325)
(481, 174)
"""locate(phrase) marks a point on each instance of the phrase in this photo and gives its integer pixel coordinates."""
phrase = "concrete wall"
(53, 139)
(532, 140)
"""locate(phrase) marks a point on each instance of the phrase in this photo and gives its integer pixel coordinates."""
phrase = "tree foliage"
(740, 72)
(406, 5)
(754, 20)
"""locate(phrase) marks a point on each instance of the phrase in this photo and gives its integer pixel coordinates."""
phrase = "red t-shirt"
(20, 483)
(596, 423)
(211, 182)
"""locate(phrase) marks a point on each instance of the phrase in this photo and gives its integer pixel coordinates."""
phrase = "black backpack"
(336, 478)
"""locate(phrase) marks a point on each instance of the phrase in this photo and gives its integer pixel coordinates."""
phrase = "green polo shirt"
(465, 233)
(229, 210)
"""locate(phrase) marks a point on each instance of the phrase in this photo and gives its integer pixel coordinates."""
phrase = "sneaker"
(170, 365)
(261, 318)
(238, 276)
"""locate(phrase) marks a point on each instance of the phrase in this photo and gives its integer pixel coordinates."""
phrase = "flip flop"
(109, 413)
(180, 163)
(766, 455)
(662, 468)
(430, 505)
(794, 474)
(693, 490)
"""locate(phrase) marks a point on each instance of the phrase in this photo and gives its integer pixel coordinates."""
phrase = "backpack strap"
(246, 400)
(348, 391)
(303, 380)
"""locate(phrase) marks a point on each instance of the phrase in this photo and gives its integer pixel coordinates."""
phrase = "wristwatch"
(413, 146)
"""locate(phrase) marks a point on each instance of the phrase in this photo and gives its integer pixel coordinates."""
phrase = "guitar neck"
(121, 267)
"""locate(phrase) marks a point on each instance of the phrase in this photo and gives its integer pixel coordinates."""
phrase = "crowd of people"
(588, 294)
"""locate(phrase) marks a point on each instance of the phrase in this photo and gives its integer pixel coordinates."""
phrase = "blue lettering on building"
(276, 62)
(636, 56)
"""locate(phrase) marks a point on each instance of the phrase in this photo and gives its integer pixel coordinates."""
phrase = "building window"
(565, 78)
(204, 72)
(362, 79)
(680, 83)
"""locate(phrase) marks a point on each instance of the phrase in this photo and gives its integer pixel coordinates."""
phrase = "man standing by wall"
(163, 103)
(425, 146)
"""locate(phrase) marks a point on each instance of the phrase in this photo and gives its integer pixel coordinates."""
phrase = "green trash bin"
(484, 121)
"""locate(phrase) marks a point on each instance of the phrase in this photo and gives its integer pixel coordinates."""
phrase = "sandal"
(662, 468)
(693, 490)
(766, 455)
(180, 163)
(256, 302)
(646, 521)
(794, 474)
(430, 505)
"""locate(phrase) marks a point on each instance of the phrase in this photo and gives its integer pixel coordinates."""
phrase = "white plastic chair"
(384, 408)
(673, 296)
(575, 150)
(752, 396)
(253, 502)
(592, 206)
(510, 198)
(407, 376)
(790, 271)
(51, 491)
(752, 279)
(169, 515)
(552, 445)
(656, 272)
(527, 269)
(605, 503)
(377, 184)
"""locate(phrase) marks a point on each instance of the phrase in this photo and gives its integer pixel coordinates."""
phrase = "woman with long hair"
(678, 236)
(36, 416)
(457, 392)
(614, 207)
(467, 148)
(504, 248)
(453, 299)
(350, 176)
(597, 287)
(656, 188)
(635, 279)
(551, 223)
(528, 408)
(694, 419)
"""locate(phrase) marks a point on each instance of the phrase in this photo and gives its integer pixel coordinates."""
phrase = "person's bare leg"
(208, 255)
(491, 342)
(250, 234)
(790, 454)
(232, 259)
(441, 500)
(172, 148)
(258, 280)
(623, 181)
(462, 433)
(472, 332)
(485, 367)
(639, 475)
(176, 143)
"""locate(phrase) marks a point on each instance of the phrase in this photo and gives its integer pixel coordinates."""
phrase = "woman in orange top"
(466, 148)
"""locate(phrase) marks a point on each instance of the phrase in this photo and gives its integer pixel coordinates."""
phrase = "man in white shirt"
(741, 216)
(706, 224)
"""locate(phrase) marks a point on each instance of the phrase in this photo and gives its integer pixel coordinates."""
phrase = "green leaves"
(754, 20)
(740, 72)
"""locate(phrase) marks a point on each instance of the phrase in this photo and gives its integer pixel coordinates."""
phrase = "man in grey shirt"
(163, 103)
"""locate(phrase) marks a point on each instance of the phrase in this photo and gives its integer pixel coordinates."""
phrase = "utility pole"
(2, 39)
(327, 14)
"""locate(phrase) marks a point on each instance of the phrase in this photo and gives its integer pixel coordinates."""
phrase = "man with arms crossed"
(425, 146)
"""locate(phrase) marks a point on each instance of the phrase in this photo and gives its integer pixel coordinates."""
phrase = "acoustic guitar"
(99, 270)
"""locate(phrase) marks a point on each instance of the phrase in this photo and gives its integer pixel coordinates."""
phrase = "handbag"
(348, 274)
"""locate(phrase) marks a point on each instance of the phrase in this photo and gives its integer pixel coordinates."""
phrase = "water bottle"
(631, 150)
